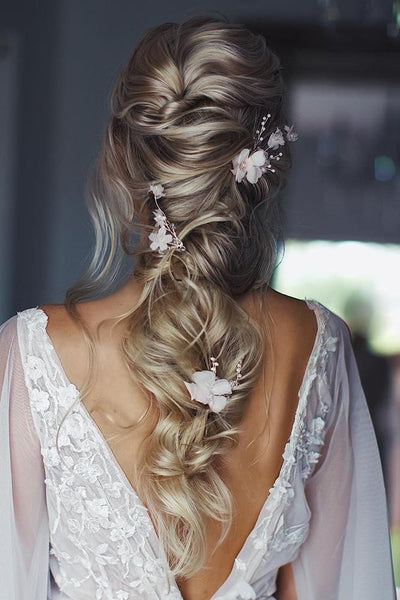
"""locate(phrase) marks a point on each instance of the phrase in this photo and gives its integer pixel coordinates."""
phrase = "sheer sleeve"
(347, 554)
(24, 550)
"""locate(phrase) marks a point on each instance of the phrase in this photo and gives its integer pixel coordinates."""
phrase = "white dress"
(72, 527)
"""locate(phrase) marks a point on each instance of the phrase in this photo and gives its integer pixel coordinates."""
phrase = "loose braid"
(189, 99)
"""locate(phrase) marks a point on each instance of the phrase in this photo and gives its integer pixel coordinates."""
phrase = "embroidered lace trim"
(90, 499)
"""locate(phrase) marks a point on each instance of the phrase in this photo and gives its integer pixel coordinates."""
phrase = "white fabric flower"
(67, 394)
(88, 470)
(72, 499)
(248, 165)
(291, 135)
(74, 526)
(276, 139)
(159, 217)
(124, 551)
(35, 367)
(51, 457)
(208, 389)
(240, 564)
(63, 439)
(313, 457)
(244, 590)
(75, 426)
(317, 426)
(331, 344)
(157, 189)
(315, 433)
(98, 507)
(114, 489)
(288, 455)
(160, 239)
(40, 400)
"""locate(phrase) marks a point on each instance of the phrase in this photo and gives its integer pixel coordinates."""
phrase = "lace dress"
(72, 527)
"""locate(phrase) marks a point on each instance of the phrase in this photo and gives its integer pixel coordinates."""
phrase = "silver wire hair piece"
(210, 390)
(232, 382)
(164, 236)
(252, 163)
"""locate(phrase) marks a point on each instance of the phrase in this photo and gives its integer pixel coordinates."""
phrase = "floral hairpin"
(165, 236)
(253, 163)
(209, 389)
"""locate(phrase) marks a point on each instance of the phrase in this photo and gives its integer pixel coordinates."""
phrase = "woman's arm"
(24, 533)
(346, 555)
(286, 589)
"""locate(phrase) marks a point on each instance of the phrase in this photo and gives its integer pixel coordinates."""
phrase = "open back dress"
(73, 528)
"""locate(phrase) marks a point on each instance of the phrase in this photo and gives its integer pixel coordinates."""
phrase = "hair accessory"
(209, 389)
(157, 190)
(253, 163)
(165, 236)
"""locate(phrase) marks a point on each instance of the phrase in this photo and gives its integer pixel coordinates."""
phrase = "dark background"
(59, 60)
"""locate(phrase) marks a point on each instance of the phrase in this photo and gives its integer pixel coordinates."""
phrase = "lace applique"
(301, 451)
(98, 524)
(80, 484)
(271, 533)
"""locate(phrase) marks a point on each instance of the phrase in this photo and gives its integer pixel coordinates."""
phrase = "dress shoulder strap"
(316, 392)
(50, 396)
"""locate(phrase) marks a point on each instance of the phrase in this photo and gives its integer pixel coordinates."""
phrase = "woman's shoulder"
(296, 319)
(309, 316)
(296, 311)
(313, 336)
(293, 313)
(295, 323)
(13, 328)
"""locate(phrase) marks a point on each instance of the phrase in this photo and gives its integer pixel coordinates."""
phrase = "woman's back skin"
(293, 333)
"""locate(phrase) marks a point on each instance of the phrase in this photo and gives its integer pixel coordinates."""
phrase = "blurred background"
(341, 59)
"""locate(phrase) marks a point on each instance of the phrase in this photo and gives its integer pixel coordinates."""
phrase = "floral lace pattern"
(103, 542)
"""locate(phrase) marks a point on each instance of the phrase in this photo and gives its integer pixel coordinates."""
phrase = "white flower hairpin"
(211, 390)
(164, 236)
(253, 163)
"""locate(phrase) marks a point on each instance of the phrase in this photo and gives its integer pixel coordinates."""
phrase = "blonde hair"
(189, 99)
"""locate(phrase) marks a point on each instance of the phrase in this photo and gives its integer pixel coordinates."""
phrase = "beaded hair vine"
(253, 163)
(209, 389)
(164, 236)
(250, 163)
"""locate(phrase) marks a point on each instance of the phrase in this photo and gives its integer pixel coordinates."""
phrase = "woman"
(194, 434)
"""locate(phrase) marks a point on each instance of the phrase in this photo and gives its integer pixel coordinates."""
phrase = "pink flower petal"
(258, 158)
(243, 154)
(218, 403)
(221, 386)
(239, 175)
(197, 393)
(204, 377)
(254, 174)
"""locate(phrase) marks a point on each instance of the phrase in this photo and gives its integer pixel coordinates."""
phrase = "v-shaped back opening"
(290, 446)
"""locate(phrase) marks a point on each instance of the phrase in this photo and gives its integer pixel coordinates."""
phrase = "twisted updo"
(188, 101)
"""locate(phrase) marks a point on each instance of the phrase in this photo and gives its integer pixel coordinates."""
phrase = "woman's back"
(293, 337)
(89, 532)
